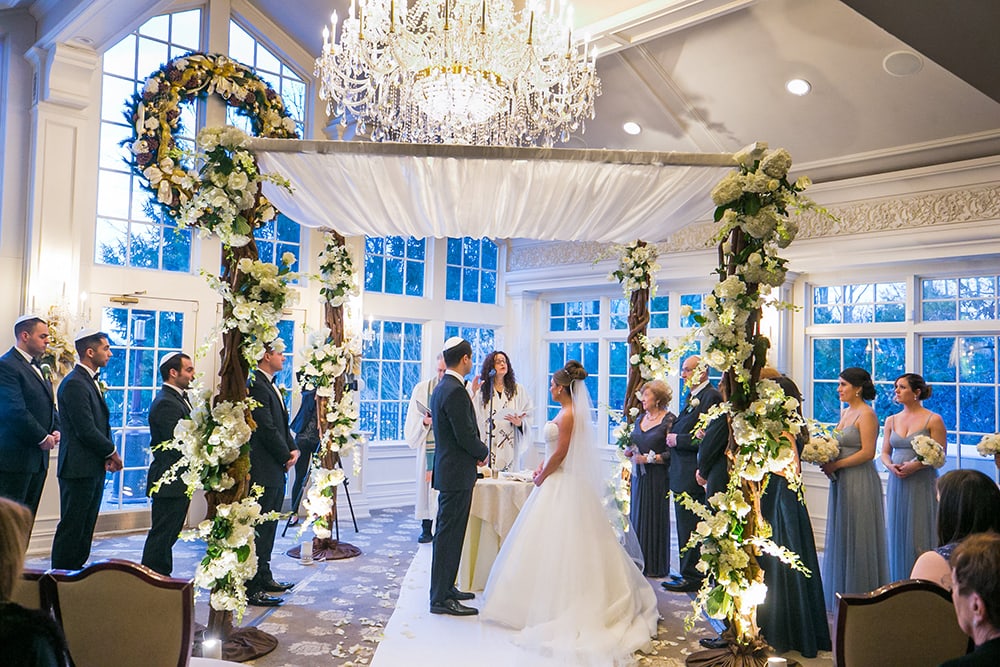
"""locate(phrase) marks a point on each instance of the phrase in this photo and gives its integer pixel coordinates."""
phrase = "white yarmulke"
(29, 317)
(168, 357)
(85, 333)
(452, 342)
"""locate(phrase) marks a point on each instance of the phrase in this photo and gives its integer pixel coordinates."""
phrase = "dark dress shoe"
(425, 538)
(713, 642)
(453, 608)
(277, 586)
(262, 599)
(681, 586)
(461, 595)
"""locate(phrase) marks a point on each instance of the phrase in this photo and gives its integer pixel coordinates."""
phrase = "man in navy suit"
(170, 502)
(272, 453)
(457, 450)
(86, 451)
(29, 423)
(684, 443)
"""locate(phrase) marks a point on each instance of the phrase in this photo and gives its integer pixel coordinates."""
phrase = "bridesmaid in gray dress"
(855, 559)
(911, 497)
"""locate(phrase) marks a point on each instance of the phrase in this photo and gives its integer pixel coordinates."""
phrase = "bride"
(562, 578)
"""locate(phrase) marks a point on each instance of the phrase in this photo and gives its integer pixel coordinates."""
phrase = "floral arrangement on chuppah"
(222, 196)
(329, 358)
(753, 204)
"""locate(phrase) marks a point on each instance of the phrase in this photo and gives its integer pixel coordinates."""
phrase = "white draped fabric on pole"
(453, 191)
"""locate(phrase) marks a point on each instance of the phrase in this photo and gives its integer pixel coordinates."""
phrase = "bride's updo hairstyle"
(573, 370)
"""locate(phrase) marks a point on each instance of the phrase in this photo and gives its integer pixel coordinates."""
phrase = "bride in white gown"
(562, 578)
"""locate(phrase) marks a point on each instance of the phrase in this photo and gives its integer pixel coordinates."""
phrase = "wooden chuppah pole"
(638, 323)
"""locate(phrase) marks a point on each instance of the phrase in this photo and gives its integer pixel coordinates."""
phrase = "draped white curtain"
(453, 191)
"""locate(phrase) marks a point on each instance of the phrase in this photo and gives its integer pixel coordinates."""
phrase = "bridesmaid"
(793, 616)
(650, 509)
(911, 497)
(855, 558)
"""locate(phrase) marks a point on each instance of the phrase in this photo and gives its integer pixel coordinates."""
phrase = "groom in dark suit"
(684, 445)
(29, 423)
(170, 502)
(457, 450)
(86, 451)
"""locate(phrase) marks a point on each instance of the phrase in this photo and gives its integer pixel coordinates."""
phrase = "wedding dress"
(562, 578)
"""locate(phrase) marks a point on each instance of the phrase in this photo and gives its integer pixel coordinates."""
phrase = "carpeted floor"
(338, 610)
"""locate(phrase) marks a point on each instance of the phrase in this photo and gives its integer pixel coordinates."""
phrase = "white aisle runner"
(415, 636)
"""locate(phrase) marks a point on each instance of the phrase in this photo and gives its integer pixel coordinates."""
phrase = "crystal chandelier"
(461, 72)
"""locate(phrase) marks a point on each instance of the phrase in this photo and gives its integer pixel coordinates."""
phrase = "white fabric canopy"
(452, 191)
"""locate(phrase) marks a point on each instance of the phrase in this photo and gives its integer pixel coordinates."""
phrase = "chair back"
(28, 590)
(907, 623)
(116, 613)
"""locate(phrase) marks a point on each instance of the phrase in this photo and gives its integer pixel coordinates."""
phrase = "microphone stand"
(491, 425)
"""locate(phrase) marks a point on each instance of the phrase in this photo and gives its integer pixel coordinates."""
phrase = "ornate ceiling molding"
(934, 209)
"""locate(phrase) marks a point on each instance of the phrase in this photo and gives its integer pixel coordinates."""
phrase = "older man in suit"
(29, 423)
(457, 450)
(684, 444)
(86, 451)
(272, 453)
(170, 502)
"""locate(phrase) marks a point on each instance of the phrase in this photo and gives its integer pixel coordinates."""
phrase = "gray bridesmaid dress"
(912, 509)
(856, 557)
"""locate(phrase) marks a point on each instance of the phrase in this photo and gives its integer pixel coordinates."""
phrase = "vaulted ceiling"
(709, 75)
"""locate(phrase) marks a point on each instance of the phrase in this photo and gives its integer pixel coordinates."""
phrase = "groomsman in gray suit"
(29, 423)
(169, 503)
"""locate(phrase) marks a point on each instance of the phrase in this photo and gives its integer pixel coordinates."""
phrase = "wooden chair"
(119, 613)
(906, 624)
(28, 590)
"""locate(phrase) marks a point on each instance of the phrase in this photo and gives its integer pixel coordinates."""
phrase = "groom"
(457, 449)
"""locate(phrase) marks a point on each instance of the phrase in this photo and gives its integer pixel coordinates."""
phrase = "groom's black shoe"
(461, 595)
(682, 586)
(453, 608)
(425, 532)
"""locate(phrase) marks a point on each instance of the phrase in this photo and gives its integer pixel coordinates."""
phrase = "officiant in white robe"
(501, 399)
(420, 436)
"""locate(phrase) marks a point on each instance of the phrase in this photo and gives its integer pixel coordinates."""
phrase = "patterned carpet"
(337, 611)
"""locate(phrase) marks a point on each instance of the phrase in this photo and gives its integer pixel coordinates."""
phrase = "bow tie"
(36, 363)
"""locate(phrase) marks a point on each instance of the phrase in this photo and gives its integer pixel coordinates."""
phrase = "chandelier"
(473, 72)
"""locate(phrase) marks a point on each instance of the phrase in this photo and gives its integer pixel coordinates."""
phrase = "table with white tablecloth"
(495, 506)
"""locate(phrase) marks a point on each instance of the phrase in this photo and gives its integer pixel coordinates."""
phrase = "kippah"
(85, 333)
(28, 317)
(168, 357)
(454, 341)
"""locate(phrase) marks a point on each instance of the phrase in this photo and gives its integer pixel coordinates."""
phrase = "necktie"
(187, 399)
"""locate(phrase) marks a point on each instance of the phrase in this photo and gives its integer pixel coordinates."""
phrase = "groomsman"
(684, 444)
(457, 450)
(272, 453)
(420, 436)
(170, 503)
(86, 452)
(29, 423)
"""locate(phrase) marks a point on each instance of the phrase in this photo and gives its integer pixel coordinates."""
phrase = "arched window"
(131, 231)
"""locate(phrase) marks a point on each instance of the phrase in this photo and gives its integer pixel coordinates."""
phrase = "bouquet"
(820, 449)
(929, 451)
(989, 445)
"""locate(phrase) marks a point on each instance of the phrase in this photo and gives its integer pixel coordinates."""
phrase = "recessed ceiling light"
(631, 128)
(798, 87)
(81, 39)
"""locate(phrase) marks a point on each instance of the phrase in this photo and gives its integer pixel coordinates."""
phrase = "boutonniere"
(694, 403)
(102, 386)
(46, 371)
